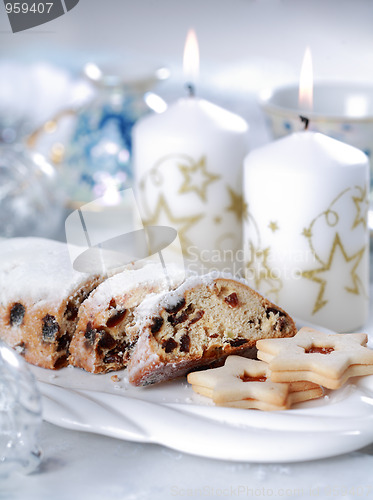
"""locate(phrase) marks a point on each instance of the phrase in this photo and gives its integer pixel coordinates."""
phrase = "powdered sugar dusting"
(36, 270)
(152, 304)
(143, 356)
(152, 273)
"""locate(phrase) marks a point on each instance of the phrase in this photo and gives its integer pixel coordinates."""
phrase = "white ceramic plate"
(171, 414)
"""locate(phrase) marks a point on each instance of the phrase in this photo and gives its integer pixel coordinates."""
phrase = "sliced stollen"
(102, 341)
(199, 324)
(40, 294)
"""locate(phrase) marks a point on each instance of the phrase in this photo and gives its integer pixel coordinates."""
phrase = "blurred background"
(243, 43)
(61, 83)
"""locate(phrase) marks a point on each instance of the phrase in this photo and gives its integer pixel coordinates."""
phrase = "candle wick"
(304, 120)
(191, 89)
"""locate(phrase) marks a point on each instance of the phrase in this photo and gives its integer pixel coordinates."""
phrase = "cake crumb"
(115, 378)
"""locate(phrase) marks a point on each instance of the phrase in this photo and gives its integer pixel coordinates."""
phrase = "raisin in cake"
(102, 342)
(200, 323)
(40, 294)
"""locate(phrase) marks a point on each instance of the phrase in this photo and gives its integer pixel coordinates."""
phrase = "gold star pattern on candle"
(273, 226)
(197, 178)
(181, 224)
(362, 205)
(245, 211)
(259, 268)
(331, 217)
(236, 203)
(337, 250)
(307, 232)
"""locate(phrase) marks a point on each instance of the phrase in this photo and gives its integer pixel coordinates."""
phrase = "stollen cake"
(102, 342)
(40, 294)
(203, 321)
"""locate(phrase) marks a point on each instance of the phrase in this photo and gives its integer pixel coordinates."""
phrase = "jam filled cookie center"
(320, 350)
(246, 377)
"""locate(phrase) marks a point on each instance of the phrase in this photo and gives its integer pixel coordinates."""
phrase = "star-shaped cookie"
(245, 383)
(325, 359)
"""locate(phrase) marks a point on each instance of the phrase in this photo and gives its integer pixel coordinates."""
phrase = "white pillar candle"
(306, 239)
(188, 169)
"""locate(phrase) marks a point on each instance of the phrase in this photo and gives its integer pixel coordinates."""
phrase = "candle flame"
(305, 99)
(191, 57)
